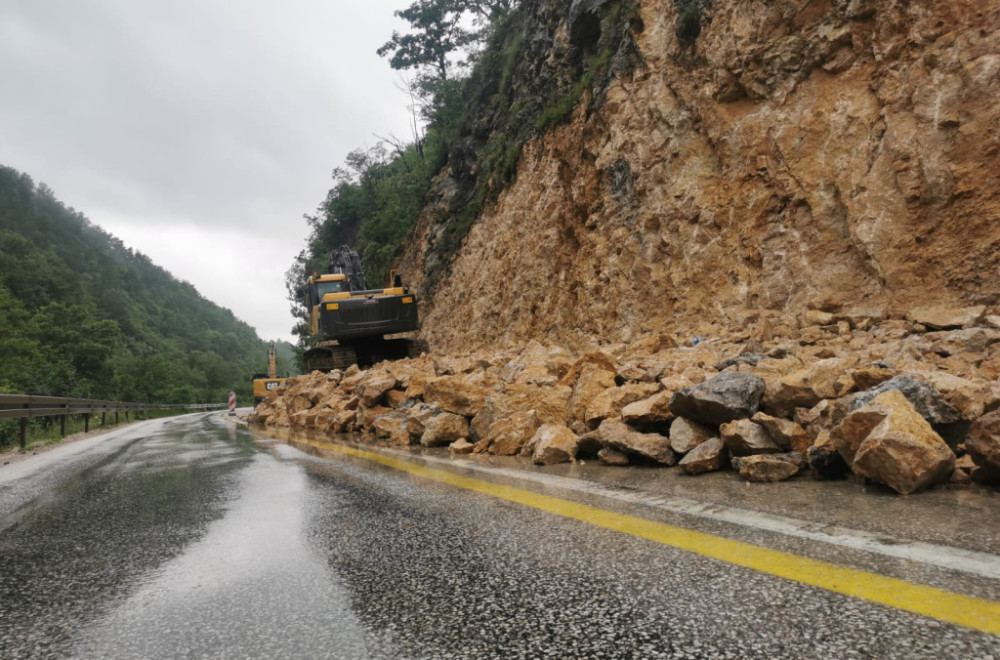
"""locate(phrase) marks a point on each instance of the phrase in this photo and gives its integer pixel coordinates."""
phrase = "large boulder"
(902, 451)
(983, 445)
(553, 443)
(652, 446)
(932, 406)
(685, 435)
(709, 456)
(745, 438)
(720, 399)
(443, 429)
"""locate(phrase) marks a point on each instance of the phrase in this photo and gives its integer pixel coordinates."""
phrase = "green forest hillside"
(83, 315)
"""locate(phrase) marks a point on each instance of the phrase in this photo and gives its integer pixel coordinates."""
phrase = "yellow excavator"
(348, 322)
(264, 383)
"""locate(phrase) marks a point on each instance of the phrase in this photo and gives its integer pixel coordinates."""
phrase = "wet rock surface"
(719, 399)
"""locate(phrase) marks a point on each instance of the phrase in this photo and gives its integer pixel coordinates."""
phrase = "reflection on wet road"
(188, 540)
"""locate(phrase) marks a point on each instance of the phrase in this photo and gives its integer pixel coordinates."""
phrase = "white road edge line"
(981, 564)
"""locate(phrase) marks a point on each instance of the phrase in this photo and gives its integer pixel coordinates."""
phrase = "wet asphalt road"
(184, 538)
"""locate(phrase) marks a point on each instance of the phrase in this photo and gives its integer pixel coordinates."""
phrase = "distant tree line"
(83, 315)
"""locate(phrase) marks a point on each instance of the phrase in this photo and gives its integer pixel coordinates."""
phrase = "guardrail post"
(104, 419)
(24, 433)
(62, 426)
(116, 418)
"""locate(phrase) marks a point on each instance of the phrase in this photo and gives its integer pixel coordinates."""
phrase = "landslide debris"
(857, 395)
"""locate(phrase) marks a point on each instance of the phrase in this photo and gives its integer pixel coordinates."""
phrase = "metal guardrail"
(25, 407)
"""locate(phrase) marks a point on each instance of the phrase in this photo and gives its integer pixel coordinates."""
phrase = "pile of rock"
(907, 402)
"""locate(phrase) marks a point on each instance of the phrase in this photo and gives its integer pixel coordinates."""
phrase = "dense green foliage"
(83, 315)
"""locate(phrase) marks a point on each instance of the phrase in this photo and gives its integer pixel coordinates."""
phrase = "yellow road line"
(974, 613)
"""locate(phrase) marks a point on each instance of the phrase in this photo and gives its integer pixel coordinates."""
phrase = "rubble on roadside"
(909, 402)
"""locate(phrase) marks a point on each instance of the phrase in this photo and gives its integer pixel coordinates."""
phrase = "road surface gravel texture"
(189, 538)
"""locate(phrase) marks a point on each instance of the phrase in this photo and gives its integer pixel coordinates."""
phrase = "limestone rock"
(653, 411)
(611, 456)
(461, 394)
(685, 435)
(507, 436)
(970, 340)
(444, 429)
(745, 438)
(902, 451)
(804, 388)
(461, 446)
(709, 456)
(396, 398)
(983, 445)
(768, 468)
(610, 402)
(816, 317)
(852, 431)
(719, 399)
(925, 399)
(553, 443)
(418, 379)
(944, 318)
(549, 403)
(653, 446)
(392, 427)
(786, 434)
(365, 417)
(590, 381)
(417, 418)
(373, 388)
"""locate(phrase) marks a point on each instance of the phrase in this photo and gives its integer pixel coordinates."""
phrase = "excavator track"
(363, 354)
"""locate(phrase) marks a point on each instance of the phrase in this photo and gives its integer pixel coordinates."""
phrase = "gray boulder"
(719, 399)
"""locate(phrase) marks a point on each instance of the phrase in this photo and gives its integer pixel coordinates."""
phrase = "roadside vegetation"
(82, 315)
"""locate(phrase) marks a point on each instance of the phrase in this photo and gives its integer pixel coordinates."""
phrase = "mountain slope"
(83, 315)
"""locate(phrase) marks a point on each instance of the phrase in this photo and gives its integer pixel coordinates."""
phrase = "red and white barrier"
(232, 403)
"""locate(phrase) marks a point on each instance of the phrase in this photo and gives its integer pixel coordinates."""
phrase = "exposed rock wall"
(801, 151)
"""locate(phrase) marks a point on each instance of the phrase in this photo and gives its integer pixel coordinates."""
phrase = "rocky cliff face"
(824, 153)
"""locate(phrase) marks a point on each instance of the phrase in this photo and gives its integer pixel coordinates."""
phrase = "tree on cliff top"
(441, 30)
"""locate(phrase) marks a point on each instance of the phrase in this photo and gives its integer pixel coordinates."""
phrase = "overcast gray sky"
(198, 131)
